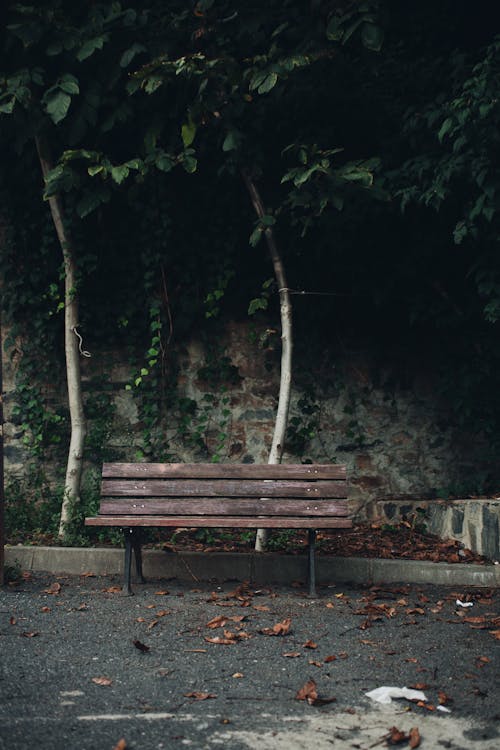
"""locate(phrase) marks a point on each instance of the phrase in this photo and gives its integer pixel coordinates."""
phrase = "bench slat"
(223, 488)
(222, 507)
(225, 471)
(235, 522)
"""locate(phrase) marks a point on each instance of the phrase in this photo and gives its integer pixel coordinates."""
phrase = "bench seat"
(293, 496)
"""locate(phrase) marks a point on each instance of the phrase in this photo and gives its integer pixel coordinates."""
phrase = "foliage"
(154, 109)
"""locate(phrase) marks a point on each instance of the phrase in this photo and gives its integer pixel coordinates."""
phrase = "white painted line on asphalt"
(145, 717)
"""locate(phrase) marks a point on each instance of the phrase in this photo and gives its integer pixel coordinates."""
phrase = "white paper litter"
(443, 709)
(385, 694)
(464, 604)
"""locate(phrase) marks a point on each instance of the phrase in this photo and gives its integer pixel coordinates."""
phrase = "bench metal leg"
(132, 542)
(312, 563)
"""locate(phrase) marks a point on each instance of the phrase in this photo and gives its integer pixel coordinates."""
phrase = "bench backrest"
(151, 489)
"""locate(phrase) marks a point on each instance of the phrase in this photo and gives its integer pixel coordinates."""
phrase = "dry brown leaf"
(281, 628)
(495, 634)
(45, 609)
(309, 693)
(261, 608)
(330, 658)
(315, 663)
(152, 624)
(113, 590)
(200, 696)
(30, 634)
(292, 654)
(13, 620)
(443, 698)
(195, 650)
(140, 619)
(87, 575)
(419, 686)
(53, 589)
(414, 737)
(163, 612)
(396, 736)
(237, 675)
(310, 644)
(120, 745)
(105, 681)
(330, 605)
(164, 592)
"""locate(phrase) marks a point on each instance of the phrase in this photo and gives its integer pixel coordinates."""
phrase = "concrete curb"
(260, 568)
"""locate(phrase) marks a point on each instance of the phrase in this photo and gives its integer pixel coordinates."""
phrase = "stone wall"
(398, 440)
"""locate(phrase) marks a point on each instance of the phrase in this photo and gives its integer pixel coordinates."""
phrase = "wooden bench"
(250, 496)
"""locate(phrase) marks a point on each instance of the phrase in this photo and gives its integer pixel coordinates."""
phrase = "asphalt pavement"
(241, 666)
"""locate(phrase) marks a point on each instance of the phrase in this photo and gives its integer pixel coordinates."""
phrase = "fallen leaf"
(150, 606)
(281, 628)
(261, 608)
(113, 590)
(199, 696)
(87, 575)
(330, 605)
(13, 621)
(292, 654)
(221, 620)
(141, 646)
(310, 644)
(121, 744)
(412, 660)
(330, 658)
(102, 681)
(237, 675)
(53, 589)
(163, 612)
(414, 737)
(495, 634)
(140, 619)
(443, 698)
(309, 693)
(315, 663)
(419, 686)
(45, 609)
(30, 634)
(195, 650)
(396, 736)
(162, 593)
(152, 624)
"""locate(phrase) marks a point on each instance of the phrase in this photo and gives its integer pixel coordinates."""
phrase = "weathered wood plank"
(223, 488)
(223, 471)
(235, 522)
(222, 507)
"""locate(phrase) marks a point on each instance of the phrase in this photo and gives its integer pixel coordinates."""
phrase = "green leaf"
(230, 141)
(164, 163)
(57, 104)
(69, 84)
(95, 169)
(255, 236)
(267, 220)
(90, 46)
(120, 173)
(268, 83)
(372, 36)
(445, 128)
(7, 106)
(260, 303)
(189, 163)
(188, 132)
(130, 53)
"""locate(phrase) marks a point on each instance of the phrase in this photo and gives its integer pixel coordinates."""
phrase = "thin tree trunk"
(280, 425)
(2, 492)
(75, 399)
